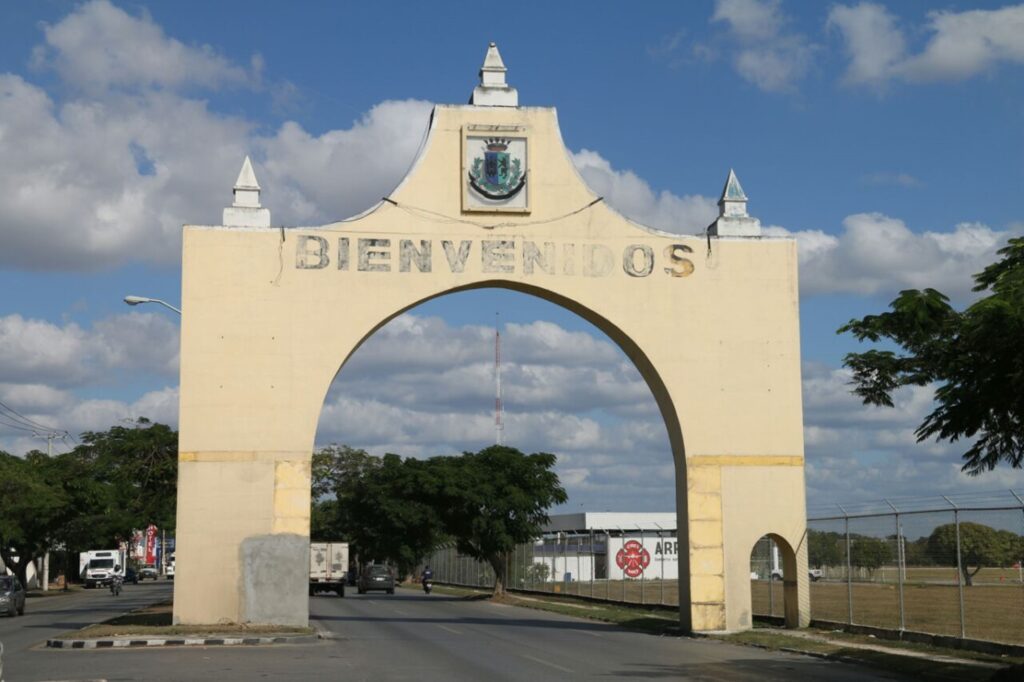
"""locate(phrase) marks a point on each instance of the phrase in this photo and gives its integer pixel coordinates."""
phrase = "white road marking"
(548, 663)
(592, 634)
(451, 630)
(401, 612)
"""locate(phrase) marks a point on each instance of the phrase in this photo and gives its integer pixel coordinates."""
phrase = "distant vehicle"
(328, 567)
(170, 568)
(12, 596)
(813, 573)
(148, 573)
(98, 567)
(376, 577)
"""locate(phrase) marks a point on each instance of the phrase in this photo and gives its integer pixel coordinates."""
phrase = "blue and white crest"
(497, 174)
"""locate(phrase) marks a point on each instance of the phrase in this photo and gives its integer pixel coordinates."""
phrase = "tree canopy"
(973, 356)
(114, 482)
(980, 546)
(400, 509)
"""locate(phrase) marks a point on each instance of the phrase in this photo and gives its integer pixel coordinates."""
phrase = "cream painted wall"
(264, 333)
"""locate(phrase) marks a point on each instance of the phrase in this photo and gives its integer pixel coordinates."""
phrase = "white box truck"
(328, 567)
(97, 567)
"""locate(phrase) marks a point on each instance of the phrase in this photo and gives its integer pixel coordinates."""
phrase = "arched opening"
(773, 580)
(582, 347)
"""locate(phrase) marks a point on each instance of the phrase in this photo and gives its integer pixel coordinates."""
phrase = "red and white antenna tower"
(499, 424)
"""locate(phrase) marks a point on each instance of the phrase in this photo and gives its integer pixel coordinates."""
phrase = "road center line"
(592, 634)
(548, 663)
(451, 630)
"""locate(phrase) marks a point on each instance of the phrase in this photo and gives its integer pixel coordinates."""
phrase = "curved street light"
(136, 300)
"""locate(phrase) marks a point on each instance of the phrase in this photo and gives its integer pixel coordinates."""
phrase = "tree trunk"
(968, 575)
(498, 563)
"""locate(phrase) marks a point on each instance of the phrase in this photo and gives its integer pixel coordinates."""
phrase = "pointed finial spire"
(733, 219)
(246, 176)
(493, 91)
(246, 211)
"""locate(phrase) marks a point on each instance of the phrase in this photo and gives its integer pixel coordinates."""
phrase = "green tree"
(870, 553)
(337, 472)
(825, 548)
(980, 546)
(30, 507)
(494, 499)
(138, 465)
(974, 356)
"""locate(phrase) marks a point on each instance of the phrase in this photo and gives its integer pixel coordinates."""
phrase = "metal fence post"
(899, 563)
(849, 568)
(622, 536)
(959, 571)
(593, 562)
(771, 577)
(643, 571)
(661, 541)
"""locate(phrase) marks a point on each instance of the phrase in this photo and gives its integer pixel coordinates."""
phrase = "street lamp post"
(136, 300)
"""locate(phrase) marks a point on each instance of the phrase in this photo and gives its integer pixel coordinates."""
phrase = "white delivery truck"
(328, 567)
(97, 567)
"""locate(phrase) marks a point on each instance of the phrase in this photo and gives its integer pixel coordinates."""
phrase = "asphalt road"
(407, 636)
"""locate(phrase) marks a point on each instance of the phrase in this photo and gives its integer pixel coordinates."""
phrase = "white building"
(609, 546)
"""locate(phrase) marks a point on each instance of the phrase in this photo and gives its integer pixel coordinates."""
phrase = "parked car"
(12, 596)
(813, 573)
(148, 573)
(376, 577)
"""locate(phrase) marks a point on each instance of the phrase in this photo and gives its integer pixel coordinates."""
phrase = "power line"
(19, 417)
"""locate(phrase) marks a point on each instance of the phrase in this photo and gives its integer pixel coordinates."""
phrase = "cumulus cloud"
(876, 253)
(960, 44)
(767, 53)
(632, 196)
(99, 46)
(860, 452)
(37, 351)
(109, 174)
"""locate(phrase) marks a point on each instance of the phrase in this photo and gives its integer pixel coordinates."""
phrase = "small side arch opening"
(773, 580)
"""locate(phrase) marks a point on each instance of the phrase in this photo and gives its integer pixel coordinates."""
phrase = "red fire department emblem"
(633, 558)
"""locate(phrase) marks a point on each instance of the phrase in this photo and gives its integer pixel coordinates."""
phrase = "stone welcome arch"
(269, 315)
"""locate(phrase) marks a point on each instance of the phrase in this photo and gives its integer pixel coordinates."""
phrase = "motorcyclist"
(426, 577)
(116, 581)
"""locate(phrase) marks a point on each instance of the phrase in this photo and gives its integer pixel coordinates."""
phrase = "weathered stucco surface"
(270, 316)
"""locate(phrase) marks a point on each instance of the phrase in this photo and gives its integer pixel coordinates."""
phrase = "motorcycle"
(428, 585)
(115, 585)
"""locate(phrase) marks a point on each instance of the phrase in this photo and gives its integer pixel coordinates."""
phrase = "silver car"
(12, 596)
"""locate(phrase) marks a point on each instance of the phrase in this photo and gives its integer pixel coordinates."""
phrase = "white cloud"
(961, 44)
(632, 196)
(874, 42)
(879, 254)
(768, 54)
(99, 46)
(37, 351)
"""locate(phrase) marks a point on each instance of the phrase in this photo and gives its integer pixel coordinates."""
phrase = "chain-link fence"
(639, 566)
(948, 566)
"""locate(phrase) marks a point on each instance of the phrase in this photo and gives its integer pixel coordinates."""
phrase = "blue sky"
(886, 137)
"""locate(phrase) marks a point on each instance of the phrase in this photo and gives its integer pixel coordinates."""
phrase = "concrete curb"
(133, 643)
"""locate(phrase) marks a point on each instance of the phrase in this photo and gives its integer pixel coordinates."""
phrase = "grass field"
(993, 607)
(992, 612)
